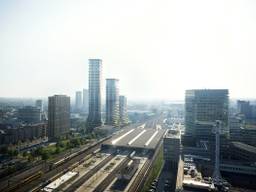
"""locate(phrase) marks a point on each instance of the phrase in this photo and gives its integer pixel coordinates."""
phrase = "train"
(130, 169)
(132, 154)
(54, 165)
(67, 158)
(26, 180)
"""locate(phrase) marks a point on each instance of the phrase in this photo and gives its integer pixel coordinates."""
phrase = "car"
(167, 181)
(167, 185)
(152, 185)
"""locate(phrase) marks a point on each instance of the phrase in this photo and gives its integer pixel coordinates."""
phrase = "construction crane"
(218, 181)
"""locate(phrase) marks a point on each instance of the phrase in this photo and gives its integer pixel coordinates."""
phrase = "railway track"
(84, 178)
(140, 178)
(60, 169)
(105, 183)
(137, 185)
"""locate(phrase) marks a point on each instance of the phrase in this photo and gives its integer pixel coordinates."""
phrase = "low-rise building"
(13, 134)
(242, 151)
(241, 131)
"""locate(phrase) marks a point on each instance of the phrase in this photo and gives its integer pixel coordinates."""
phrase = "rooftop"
(172, 133)
(245, 147)
(137, 138)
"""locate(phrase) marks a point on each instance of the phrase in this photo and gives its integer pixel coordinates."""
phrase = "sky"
(157, 48)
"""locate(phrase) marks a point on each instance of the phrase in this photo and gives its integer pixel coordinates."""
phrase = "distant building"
(112, 102)
(235, 125)
(242, 132)
(13, 134)
(85, 100)
(58, 115)
(95, 86)
(78, 100)
(123, 110)
(202, 109)
(29, 114)
(254, 112)
(244, 108)
(39, 104)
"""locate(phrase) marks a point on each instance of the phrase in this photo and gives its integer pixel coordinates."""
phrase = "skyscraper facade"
(85, 100)
(123, 110)
(58, 115)
(78, 100)
(203, 108)
(112, 102)
(95, 83)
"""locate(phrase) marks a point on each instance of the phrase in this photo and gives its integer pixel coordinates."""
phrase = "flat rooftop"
(137, 138)
(245, 147)
(172, 134)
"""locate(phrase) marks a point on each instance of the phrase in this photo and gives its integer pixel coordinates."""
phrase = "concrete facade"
(172, 148)
(58, 115)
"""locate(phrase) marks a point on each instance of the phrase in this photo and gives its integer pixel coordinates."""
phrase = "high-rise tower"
(123, 110)
(95, 83)
(112, 102)
(78, 100)
(85, 100)
(58, 115)
(202, 109)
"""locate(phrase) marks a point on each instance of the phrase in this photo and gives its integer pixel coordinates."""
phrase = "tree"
(38, 151)
(30, 158)
(13, 152)
(45, 155)
(4, 150)
(57, 151)
(25, 153)
(75, 142)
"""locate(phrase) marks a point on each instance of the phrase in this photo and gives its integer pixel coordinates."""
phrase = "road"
(157, 120)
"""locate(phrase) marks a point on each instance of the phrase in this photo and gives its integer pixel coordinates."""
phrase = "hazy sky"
(157, 48)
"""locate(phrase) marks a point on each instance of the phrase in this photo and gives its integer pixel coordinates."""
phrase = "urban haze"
(127, 96)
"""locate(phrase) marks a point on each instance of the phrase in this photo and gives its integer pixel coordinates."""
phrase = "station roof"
(137, 138)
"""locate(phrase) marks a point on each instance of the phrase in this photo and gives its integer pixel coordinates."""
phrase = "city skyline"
(132, 96)
(185, 45)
